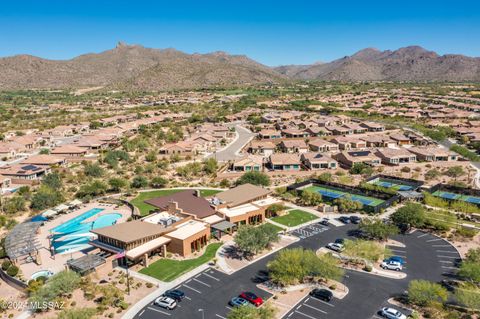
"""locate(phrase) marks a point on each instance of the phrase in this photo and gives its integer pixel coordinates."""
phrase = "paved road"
(230, 152)
(427, 257)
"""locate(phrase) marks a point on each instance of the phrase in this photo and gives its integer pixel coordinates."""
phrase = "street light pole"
(203, 313)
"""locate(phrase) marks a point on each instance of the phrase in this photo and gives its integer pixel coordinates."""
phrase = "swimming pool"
(75, 234)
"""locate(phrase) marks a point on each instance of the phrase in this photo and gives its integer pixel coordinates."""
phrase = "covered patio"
(22, 243)
(86, 264)
(222, 228)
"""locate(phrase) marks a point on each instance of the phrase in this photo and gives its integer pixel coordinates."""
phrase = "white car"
(335, 247)
(391, 265)
(166, 302)
(391, 313)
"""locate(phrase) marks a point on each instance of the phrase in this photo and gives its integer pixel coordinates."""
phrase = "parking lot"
(447, 256)
(308, 231)
(386, 304)
(207, 292)
(312, 308)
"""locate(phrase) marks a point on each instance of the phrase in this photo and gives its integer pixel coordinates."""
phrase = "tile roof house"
(284, 162)
(396, 156)
(350, 158)
(315, 161)
(321, 145)
(248, 163)
(24, 172)
(348, 143)
(268, 134)
(45, 159)
(373, 126)
(400, 139)
(293, 146)
(69, 150)
(378, 141)
(294, 133)
(433, 154)
(265, 148)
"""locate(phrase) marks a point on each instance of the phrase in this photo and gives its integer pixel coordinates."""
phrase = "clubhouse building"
(184, 222)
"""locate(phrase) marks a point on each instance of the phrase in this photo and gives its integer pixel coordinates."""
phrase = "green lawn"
(294, 218)
(145, 208)
(168, 269)
(277, 228)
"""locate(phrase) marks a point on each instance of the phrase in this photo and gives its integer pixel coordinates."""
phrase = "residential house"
(316, 161)
(247, 164)
(339, 130)
(396, 156)
(315, 131)
(321, 145)
(20, 174)
(269, 134)
(433, 154)
(400, 139)
(373, 126)
(294, 133)
(264, 148)
(355, 128)
(349, 143)
(69, 150)
(293, 146)
(45, 160)
(350, 158)
(182, 148)
(284, 162)
(378, 141)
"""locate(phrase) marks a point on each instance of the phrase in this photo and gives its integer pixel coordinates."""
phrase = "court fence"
(388, 199)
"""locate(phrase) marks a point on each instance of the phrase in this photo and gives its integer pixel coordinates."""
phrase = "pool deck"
(57, 262)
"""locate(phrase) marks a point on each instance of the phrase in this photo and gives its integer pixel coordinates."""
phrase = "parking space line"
(220, 316)
(158, 310)
(423, 235)
(197, 291)
(228, 308)
(453, 257)
(445, 261)
(210, 276)
(312, 307)
(449, 267)
(324, 302)
(188, 298)
(141, 313)
(435, 239)
(305, 314)
(441, 246)
(447, 251)
(199, 281)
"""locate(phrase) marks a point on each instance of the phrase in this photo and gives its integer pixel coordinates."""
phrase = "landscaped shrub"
(6, 264)
(12, 270)
(367, 268)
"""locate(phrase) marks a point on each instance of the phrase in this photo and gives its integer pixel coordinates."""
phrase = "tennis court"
(330, 193)
(454, 196)
(396, 185)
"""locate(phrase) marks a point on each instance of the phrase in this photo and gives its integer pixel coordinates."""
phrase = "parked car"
(395, 258)
(391, 313)
(335, 247)
(252, 298)
(261, 276)
(355, 219)
(392, 265)
(344, 219)
(322, 294)
(325, 222)
(237, 302)
(166, 302)
(175, 294)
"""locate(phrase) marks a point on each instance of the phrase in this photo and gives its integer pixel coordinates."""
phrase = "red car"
(252, 298)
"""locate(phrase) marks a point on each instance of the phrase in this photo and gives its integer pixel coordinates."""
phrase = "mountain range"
(134, 67)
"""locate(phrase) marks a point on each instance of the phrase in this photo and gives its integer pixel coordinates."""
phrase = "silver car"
(166, 302)
(391, 313)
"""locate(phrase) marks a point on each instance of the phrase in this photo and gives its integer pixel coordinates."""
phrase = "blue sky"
(271, 32)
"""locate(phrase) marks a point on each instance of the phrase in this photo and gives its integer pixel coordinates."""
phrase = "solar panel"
(359, 153)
